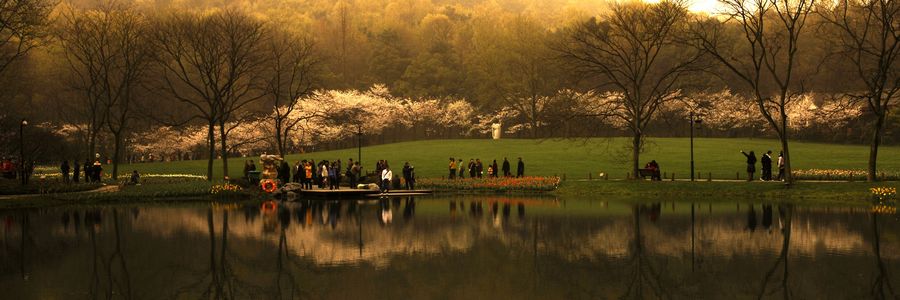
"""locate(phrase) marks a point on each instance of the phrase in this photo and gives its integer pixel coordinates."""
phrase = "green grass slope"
(574, 158)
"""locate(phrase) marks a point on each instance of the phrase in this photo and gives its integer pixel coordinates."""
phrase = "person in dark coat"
(751, 164)
(766, 162)
(407, 175)
(284, 172)
(520, 169)
(479, 168)
(76, 171)
(88, 172)
(97, 171)
(64, 169)
(472, 168)
(496, 169)
(506, 167)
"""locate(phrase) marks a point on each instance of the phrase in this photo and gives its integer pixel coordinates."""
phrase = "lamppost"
(22, 151)
(694, 120)
(359, 144)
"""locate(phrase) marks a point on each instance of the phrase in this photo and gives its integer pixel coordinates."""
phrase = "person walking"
(462, 171)
(506, 168)
(751, 164)
(386, 176)
(781, 165)
(76, 170)
(64, 168)
(452, 169)
(496, 172)
(766, 162)
(520, 169)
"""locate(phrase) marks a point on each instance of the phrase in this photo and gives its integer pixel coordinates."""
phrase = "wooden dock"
(348, 193)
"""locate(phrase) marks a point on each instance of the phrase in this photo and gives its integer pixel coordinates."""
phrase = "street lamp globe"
(24, 122)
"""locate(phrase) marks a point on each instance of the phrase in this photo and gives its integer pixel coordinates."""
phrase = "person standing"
(472, 168)
(386, 176)
(411, 182)
(766, 162)
(323, 174)
(462, 171)
(297, 170)
(506, 167)
(64, 168)
(496, 169)
(75, 172)
(520, 169)
(308, 170)
(97, 171)
(338, 166)
(284, 172)
(751, 164)
(452, 169)
(333, 172)
(479, 168)
(354, 174)
(407, 175)
(781, 165)
(88, 172)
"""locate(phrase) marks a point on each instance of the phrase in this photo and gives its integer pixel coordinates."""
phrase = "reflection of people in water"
(767, 216)
(452, 209)
(506, 210)
(652, 211)
(521, 210)
(410, 209)
(751, 219)
(65, 221)
(385, 216)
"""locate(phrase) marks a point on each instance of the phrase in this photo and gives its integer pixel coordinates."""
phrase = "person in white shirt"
(386, 176)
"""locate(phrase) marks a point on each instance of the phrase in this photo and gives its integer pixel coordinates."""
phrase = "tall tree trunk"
(224, 143)
(211, 142)
(873, 147)
(788, 177)
(635, 154)
(117, 151)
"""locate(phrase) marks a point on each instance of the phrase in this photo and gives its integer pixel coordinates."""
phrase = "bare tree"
(209, 63)
(866, 33)
(763, 54)
(291, 73)
(22, 24)
(634, 53)
(108, 53)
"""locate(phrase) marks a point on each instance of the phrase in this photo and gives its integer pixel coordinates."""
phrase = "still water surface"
(449, 248)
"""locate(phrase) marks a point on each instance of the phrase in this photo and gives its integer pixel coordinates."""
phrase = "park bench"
(644, 173)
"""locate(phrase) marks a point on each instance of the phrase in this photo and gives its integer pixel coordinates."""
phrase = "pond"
(466, 247)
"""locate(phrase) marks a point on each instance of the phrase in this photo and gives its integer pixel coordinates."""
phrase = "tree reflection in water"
(881, 287)
(785, 215)
(643, 275)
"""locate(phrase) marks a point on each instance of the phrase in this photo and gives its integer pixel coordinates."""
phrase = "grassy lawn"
(807, 193)
(575, 158)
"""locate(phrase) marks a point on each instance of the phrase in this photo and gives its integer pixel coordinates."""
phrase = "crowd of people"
(476, 169)
(766, 164)
(323, 174)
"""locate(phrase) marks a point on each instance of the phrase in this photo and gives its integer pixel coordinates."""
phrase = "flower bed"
(838, 174)
(522, 184)
(884, 200)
